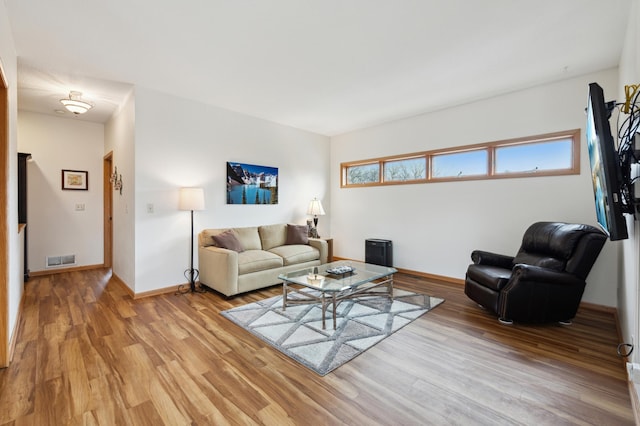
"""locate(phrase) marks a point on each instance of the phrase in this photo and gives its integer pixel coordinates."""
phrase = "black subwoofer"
(378, 252)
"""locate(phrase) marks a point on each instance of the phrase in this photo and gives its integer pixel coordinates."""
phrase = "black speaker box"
(378, 252)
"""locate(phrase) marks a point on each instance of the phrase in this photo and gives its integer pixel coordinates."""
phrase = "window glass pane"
(406, 169)
(533, 157)
(469, 163)
(366, 173)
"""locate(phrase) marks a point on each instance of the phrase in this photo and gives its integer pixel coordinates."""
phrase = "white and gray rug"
(361, 323)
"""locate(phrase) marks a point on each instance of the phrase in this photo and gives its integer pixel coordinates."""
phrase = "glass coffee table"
(331, 283)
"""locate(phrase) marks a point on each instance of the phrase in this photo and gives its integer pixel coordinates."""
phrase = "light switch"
(79, 207)
(150, 208)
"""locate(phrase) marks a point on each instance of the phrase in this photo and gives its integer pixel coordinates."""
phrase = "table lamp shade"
(315, 208)
(191, 199)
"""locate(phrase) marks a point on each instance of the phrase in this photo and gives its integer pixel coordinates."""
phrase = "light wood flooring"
(88, 354)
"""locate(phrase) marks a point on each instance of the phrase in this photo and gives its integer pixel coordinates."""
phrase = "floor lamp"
(191, 199)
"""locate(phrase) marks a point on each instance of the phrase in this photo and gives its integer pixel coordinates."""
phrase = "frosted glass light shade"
(191, 199)
(76, 107)
(74, 104)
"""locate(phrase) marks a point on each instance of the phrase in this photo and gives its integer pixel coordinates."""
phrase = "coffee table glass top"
(318, 278)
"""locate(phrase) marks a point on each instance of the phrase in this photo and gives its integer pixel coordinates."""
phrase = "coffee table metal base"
(327, 299)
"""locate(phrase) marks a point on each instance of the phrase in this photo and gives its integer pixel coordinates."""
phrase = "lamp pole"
(191, 199)
(192, 277)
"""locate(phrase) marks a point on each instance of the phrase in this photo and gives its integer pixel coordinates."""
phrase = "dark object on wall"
(378, 252)
(75, 179)
(544, 282)
(251, 184)
(22, 203)
(612, 184)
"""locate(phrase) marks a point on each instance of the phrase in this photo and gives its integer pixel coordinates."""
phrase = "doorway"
(4, 223)
(108, 209)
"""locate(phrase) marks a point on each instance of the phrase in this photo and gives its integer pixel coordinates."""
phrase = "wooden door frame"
(107, 209)
(4, 223)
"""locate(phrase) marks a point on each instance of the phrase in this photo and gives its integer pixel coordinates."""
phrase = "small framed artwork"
(75, 179)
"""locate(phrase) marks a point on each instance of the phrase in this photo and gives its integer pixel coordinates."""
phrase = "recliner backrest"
(561, 247)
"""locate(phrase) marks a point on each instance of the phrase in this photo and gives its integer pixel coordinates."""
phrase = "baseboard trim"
(16, 330)
(434, 277)
(602, 308)
(63, 270)
(635, 403)
(412, 272)
(458, 281)
(157, 292)
(160, 291)
(120, 283)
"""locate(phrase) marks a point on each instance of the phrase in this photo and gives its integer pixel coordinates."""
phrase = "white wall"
(54, 226)
(628, 298)
(179, 142)
(8, 62)
(434, 227)
(120, 139)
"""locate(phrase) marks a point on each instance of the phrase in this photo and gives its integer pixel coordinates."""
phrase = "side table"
(330, 249)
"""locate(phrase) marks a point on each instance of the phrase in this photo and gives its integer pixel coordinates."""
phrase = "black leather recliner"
(544, 282)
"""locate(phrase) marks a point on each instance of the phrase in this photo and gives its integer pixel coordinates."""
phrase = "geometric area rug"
(360, 324)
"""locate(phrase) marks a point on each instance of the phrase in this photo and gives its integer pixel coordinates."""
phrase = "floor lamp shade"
(191, 199)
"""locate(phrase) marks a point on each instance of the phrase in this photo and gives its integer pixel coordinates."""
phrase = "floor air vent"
(57, 261)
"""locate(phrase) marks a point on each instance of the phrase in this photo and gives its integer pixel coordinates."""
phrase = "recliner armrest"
(530, 273)
(537, 294)
(480, 257)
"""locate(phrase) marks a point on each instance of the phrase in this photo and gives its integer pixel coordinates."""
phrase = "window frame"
(490, 147)
(403, 158)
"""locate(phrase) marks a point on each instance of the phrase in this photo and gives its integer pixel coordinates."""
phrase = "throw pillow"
(297, 234)
(228, 240)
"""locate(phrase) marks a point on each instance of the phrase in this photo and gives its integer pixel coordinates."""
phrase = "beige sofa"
(258, 254)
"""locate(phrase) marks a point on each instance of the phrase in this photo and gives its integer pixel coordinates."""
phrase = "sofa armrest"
(219, 269)
(480, 257)
(322, 246)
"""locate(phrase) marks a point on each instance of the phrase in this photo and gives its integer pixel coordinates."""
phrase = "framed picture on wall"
(251, 184)
(75, 179)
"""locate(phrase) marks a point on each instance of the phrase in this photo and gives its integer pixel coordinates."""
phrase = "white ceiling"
(327, 66)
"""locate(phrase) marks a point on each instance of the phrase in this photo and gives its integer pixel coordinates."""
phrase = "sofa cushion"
(257, 260)
(248, 237)
(273, 235)
(229, 241)
(297, 253)
(297, 234)
(205, 238)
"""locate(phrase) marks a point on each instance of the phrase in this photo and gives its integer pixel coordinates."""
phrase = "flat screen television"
(606, 170)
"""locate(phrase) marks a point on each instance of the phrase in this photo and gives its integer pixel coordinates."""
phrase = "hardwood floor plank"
(145, 414)
(76, 382)
(87, 353)
(189, 394)
(166, 406)
(137, 373)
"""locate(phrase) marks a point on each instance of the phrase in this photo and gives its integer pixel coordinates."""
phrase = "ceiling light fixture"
(75, 104)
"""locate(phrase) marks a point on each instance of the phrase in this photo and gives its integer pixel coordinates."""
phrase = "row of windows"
(542, 155)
